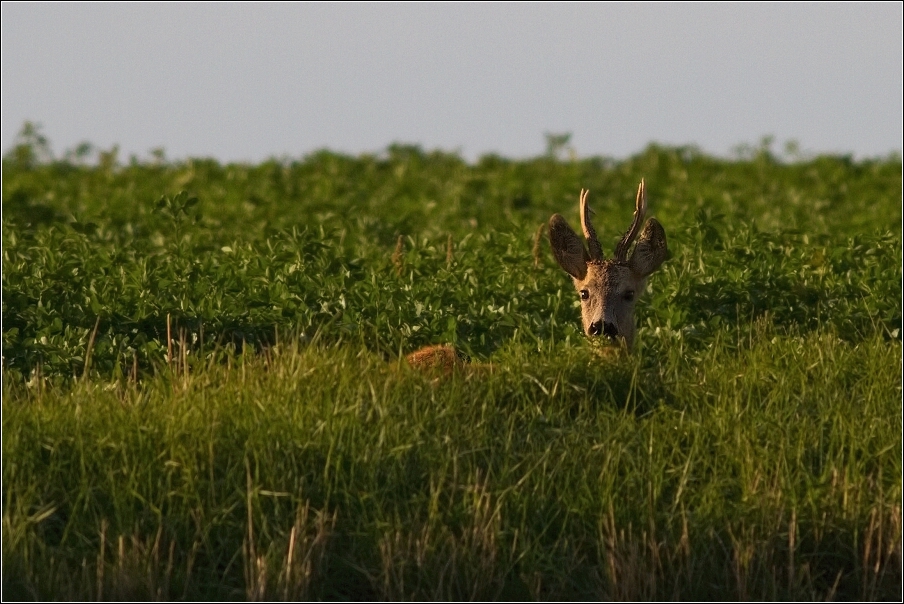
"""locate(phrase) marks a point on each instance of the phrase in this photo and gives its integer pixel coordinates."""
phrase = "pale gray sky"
(250, 81)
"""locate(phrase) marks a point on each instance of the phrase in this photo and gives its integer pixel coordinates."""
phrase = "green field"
(203, 396)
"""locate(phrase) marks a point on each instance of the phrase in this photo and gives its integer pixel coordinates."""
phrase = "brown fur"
(442, 358)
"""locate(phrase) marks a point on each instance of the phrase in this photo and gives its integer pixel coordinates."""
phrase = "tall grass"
(766, 466)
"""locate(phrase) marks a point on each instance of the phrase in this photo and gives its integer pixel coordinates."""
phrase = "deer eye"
(628, 295)
(585, 294)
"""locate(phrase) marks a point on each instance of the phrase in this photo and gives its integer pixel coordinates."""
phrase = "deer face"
(608, 289)
(607, 294)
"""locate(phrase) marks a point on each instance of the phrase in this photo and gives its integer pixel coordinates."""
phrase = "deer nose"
(610, 331)
(596, 328)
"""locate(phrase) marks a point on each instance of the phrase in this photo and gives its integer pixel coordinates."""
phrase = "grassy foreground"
(764, 467)
(202, 397)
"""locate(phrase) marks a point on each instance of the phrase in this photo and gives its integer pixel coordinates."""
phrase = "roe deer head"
(609, 288)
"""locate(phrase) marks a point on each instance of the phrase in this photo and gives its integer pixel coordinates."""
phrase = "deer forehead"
(607, 277)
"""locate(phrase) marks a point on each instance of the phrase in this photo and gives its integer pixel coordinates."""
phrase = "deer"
(608, 289)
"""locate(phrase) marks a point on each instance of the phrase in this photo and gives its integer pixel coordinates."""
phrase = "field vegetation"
(203, 396)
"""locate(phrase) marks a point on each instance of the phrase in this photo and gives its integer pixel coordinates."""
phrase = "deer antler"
(621, 250)
(593, 244)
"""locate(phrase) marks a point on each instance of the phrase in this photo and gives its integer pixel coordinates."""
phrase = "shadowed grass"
(766, 468)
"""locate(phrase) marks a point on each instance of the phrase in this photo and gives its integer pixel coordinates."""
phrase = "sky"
(246, 82)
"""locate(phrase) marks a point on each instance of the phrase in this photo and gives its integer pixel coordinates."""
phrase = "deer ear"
(651, 249)
(567, 248)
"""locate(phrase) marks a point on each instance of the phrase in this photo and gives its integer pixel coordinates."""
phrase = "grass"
(766, 467)
(203, 398)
